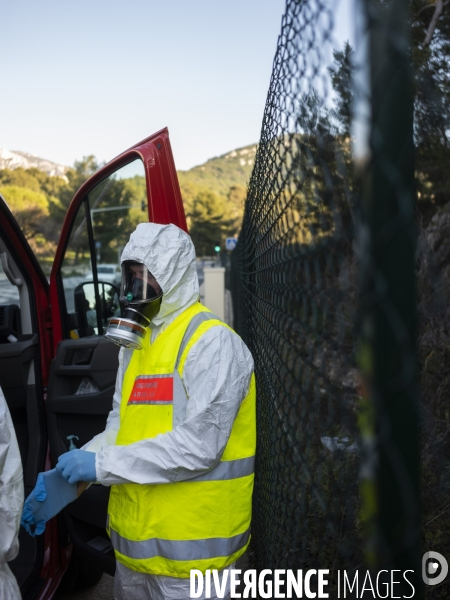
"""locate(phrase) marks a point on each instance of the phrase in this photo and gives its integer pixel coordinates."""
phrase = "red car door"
(139, 185)
(25, 355)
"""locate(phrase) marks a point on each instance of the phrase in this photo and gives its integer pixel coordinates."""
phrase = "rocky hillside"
(223, 172)
(218, 174)
(13, 159)
(39, 192)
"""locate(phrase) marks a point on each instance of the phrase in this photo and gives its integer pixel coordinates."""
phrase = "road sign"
(230, 243)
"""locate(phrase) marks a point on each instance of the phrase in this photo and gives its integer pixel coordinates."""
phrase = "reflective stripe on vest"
(179, 549)
(178, 397)
(191, 329)
(228, 469)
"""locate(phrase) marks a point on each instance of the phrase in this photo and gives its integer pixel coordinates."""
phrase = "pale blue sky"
(96, 76)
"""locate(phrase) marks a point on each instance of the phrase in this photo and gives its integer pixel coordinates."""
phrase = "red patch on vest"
(149, 390)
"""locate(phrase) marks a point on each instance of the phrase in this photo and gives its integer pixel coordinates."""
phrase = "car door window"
(76, 266)
(117, 205)
(9, 293)
(90, 272)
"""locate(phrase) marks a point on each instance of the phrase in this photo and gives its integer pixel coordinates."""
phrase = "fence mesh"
(325, 279)
(298, 304)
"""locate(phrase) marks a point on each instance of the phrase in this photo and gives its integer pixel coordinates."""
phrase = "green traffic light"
(217, 248)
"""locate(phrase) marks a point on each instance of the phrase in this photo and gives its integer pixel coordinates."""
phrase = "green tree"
(32, 179)
(211, 221)
(76, 176)
(236, 200)
(20, 177)
(112, 227)
(189, 192)
(341, 79)
(430, 35)
(137, 188)
(31, 210)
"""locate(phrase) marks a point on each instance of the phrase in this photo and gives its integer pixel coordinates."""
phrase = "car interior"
(83, 371)
(20, 381)
(78, 400)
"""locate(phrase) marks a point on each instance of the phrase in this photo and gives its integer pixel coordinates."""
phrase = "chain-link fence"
(324, 282)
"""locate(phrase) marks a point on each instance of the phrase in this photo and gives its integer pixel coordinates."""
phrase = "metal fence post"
(390, 485)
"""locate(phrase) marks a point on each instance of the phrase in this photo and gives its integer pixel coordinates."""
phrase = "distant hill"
(223, 172)
(13, 159)
(39, 191)
(218, 174)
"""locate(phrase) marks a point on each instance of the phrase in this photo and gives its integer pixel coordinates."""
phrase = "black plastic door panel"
(81, 389)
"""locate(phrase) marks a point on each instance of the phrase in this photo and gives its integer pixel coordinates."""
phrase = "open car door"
(139, 185)
(25, 354)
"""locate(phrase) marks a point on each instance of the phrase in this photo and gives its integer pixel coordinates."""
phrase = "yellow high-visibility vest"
(204, 522)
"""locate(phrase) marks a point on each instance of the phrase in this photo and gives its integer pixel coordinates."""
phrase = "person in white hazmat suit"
(11, 502)
(179, 444)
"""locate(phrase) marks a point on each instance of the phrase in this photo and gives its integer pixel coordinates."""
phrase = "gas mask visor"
(141, 297)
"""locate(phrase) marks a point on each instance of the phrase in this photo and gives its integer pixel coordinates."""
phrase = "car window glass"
(86, 307)
(117, 205)
(76, 268)
(9, 293)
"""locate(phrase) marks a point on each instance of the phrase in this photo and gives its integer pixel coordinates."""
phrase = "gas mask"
(141, 296)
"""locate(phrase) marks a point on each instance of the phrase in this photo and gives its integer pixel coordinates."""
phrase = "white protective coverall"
(11, 502)
(216, 376)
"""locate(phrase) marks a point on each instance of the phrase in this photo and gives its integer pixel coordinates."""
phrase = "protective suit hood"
(169, 254)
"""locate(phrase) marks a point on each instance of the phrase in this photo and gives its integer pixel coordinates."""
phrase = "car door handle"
(84, 358)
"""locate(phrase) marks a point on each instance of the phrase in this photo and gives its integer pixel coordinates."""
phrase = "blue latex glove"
(77, 465)
(28, 521)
